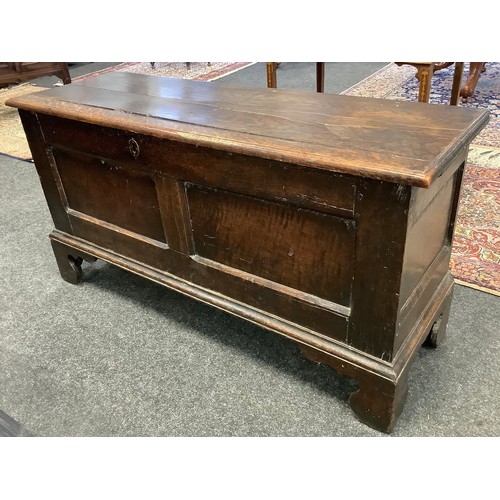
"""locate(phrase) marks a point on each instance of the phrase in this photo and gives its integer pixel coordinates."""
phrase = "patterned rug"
(475, 258)
(207, 71)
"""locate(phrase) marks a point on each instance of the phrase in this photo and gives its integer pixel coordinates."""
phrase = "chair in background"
(425, 71)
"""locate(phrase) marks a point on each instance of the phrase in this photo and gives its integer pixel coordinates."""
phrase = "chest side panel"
(431, 222)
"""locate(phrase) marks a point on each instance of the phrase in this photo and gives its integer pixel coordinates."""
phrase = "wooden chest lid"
(403, 142)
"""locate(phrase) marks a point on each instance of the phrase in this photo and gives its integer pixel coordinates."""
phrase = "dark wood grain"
(111, 193)
(389, 140)
(327, 219)
(381, 218)
(47, 171)
(319, 190)
(273, 241)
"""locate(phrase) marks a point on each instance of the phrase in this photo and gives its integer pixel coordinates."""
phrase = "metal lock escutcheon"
(133, 147)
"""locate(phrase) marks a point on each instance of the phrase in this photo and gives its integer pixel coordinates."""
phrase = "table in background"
(272, 79)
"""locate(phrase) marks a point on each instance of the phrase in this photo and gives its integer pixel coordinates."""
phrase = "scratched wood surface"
(323, 269)
(404, 142)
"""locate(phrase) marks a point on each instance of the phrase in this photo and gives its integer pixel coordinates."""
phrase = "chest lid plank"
(404, 142)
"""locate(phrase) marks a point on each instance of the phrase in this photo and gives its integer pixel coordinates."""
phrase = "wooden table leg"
(424, 76)
(457, 80)
(425, 70)
(272, 82)
(320, 76)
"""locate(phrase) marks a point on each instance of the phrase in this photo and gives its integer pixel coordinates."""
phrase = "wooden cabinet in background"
(17, 72)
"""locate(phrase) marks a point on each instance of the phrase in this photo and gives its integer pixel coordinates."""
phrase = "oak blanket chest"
(328, 219)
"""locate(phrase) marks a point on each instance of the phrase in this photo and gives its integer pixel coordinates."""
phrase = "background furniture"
(475, 70)
(272, 81)
(17, 72)
(425, 71)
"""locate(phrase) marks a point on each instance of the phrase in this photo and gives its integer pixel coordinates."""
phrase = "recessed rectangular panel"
(306, 250)
(107, 192)
(427, 236)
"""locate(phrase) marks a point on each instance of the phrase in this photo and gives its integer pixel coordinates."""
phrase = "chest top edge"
(364, 137)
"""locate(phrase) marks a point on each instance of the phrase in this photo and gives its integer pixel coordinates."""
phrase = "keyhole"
(133, 147)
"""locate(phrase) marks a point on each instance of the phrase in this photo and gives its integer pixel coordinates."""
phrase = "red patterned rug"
(475, 258)
(207, 71)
